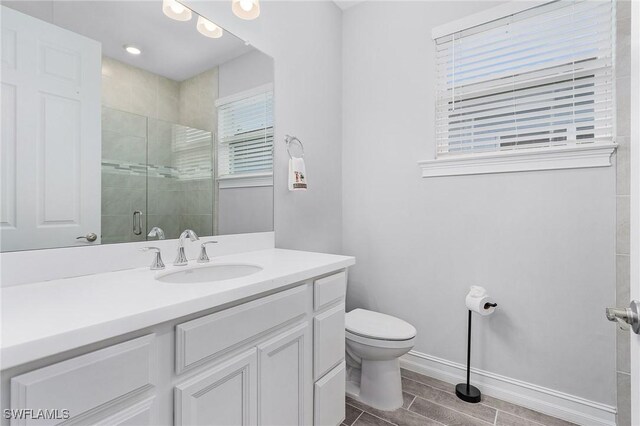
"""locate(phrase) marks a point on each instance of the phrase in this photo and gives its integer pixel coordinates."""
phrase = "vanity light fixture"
(175, 10)
(246, 9)
(208, 28)
(132, 49)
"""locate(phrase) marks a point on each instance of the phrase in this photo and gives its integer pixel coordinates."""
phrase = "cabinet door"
(138, 414)
(225, 395)
(284, 392)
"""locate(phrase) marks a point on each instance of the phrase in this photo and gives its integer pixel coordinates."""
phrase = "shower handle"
(137, 222)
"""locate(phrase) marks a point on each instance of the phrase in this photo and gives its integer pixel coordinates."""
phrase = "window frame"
(538, 158)
(244, 180)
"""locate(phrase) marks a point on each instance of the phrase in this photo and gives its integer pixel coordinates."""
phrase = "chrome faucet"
(157, 261)
(156, 232)
(204, 258)
(181, 259)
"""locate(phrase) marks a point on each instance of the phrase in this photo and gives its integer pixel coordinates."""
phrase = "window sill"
(565, 157)
(245, 181)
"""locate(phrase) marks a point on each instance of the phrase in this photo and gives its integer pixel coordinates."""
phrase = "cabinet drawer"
(328, 340)
(329, 289)
(203, 339)
(85, 384)
(329, 396)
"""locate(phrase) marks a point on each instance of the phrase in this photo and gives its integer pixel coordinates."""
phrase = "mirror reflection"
(121, 123)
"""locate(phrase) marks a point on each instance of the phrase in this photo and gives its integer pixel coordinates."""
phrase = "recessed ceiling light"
(176, 10)
(246, 9)
(132, 49)
(208, 28)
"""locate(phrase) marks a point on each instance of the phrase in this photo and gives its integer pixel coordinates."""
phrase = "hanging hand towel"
(297, 175)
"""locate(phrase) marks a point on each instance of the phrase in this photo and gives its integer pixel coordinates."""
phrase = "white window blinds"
(245, 135)
(192, 152)
(539, 78)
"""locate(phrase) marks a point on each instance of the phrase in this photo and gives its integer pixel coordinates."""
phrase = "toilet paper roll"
(477, 304)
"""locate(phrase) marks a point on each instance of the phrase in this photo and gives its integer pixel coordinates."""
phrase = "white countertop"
(45, 318)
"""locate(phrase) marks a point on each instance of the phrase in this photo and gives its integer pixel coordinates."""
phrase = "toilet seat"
(363, 325)
(379, 343)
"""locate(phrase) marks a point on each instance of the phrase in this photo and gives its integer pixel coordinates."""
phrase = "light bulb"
(177, 7)
(246, 9)
(132, 49)
(246, 5)
(176, 10)
(208, 28)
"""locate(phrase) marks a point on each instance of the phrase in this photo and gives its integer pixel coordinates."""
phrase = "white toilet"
(374, 343)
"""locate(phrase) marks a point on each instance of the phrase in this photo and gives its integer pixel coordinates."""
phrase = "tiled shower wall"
(141, 105)
(138, 91)
(124, 182)
(623, 90)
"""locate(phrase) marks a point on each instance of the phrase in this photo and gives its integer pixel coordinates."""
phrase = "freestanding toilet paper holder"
(466, 391)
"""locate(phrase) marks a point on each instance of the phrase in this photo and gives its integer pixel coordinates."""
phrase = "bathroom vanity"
(139, 141)
(132, 348)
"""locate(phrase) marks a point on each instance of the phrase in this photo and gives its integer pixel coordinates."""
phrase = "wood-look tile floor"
(428, 401)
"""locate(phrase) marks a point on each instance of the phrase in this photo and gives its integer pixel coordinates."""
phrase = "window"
(245, 135)
(523, 86)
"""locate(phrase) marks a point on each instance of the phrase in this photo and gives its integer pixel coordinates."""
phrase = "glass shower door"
(154, 173)
(124, 176)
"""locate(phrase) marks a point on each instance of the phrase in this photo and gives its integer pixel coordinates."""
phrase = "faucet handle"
(157, 261)
(203, 258)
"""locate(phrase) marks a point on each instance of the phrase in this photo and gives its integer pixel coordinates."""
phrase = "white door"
(635, 204)
(285, 382)
(51, 143)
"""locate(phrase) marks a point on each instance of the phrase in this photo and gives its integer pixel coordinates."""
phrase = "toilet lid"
(378, 326)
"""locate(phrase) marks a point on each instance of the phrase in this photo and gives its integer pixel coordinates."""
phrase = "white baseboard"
(554, 403)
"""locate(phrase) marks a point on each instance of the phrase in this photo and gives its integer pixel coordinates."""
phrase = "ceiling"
(170, 48)
(346, 4)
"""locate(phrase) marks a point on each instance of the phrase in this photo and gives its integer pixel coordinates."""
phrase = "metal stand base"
(468, 393)
(465, 391)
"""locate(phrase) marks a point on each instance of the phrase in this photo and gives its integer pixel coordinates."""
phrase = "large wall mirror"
(122, 123)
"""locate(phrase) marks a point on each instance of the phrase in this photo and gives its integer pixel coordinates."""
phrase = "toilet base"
(380, 385)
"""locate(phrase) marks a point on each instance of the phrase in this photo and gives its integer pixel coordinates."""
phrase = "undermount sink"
(210, 273)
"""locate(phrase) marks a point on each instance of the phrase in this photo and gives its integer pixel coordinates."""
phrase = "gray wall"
(245, 210)
(542, 243)
(304, 39)
(245, 72)
(248, 209)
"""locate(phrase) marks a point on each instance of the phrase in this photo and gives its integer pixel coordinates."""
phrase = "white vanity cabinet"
(276, 359)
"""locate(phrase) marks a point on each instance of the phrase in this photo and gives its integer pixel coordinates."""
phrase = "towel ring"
(292, 139)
